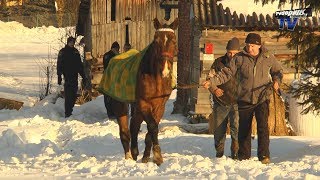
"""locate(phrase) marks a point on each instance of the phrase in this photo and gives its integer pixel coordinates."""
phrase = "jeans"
(221, 114)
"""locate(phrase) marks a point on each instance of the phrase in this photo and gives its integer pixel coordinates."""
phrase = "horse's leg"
(147, 150)
(135, 124)
(120, 109)
(152, 139)
(156, 150)
(124, 135)
(159, 111)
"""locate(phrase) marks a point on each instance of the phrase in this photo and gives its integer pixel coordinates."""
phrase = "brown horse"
(152, 92)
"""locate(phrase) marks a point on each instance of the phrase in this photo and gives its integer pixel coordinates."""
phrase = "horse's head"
(165, 39)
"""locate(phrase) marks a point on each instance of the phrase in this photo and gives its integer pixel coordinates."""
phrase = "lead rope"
(183, 85)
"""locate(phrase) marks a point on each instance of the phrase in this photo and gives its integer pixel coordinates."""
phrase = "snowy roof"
(214, 16)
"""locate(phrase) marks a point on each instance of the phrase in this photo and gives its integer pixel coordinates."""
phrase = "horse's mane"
(150, 63)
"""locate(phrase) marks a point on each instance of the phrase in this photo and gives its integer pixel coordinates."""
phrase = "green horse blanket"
(120, 77)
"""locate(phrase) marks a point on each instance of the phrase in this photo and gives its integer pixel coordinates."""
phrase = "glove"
(59, 80)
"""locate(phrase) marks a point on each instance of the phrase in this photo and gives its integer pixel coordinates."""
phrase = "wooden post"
(184, 56)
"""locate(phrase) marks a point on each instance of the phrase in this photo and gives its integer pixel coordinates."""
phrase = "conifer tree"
(307, 59)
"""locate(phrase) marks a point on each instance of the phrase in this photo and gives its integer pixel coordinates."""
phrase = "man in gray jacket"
(254, 65)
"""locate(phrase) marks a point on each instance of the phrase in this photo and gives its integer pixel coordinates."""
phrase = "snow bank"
(39, 143)
(22, 49)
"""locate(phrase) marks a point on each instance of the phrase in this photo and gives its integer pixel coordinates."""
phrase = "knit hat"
(71, 39)
(127, 46)
(233, 44)
(253, 38)
(115, 45)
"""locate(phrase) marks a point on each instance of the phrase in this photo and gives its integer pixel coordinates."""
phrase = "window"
(113, 10)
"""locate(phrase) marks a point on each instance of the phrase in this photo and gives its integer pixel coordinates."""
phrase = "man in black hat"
(115, 48)
(254, 65)
(225, 103)
(69, 65)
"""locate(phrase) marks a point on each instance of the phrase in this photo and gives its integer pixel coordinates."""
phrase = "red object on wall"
(208, 48)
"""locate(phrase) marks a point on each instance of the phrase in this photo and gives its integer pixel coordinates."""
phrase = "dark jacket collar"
(68, 47)
(225, 59)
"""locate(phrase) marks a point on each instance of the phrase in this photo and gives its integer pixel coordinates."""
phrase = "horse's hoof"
(135, 158)
(128, 155)
(135, 153)
(158, 160)
(145, 159)
(157, 157)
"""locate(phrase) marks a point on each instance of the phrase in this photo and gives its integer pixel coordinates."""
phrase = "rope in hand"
(251, 106)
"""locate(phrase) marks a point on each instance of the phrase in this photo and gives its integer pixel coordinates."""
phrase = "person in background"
(69, 65)
(126, 47)
(115, 48)
(255, 65)
(225, 103)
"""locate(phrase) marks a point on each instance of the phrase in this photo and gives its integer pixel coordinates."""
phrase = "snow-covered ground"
(23, 50)
(38, 143)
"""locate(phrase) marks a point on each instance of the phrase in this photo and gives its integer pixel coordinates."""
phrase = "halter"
(167, 54)
(165, 30)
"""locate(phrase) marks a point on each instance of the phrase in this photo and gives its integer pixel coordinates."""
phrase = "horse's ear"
(174, 24)
(156, 23)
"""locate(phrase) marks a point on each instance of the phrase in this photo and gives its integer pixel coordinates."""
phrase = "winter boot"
(67, 115)
(265, 160)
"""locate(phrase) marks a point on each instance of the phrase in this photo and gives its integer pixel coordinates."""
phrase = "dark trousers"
(107, 104)
(261, 112)
(70, 91)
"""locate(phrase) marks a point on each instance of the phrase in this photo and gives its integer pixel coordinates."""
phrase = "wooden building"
(103, 22)
(204, 21)
(215, 24)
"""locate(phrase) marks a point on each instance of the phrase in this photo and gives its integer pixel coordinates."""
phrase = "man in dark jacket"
(254, 65)
(69, 65)
(225, 103)
(115, 47)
